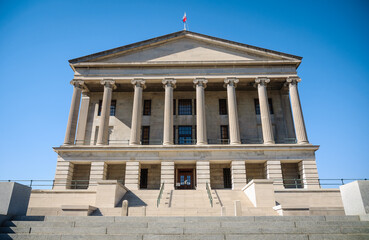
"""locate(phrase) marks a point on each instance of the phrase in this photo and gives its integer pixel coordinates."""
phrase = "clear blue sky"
(38, 37)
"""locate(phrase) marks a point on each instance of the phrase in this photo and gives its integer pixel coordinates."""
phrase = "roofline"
(169, 36)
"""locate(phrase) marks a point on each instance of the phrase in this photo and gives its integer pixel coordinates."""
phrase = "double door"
(185, 179)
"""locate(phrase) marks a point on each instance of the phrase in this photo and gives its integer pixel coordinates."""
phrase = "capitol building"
(186, 124)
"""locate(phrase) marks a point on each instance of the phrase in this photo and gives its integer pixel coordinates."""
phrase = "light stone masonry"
(202, 174)
(97, 173)
(132, 181)
(82, 120)
(273, 171)
(167, 174)
(238, 172)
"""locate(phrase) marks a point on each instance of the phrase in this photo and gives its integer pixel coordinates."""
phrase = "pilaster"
(63, 174)
(97, 173)
(132, 181)
(238, 171)
(202, 174)
(167, 174)
(273, 171)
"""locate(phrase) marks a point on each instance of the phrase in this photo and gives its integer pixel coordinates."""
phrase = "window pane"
(99, 110)
(145, 135)
(223, 107)
(174, 107)
(113, 106)
(184, 107)
(147, 107)
(184, 134)
(224, 137)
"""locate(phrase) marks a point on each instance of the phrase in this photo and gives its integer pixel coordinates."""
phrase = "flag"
(184, 19)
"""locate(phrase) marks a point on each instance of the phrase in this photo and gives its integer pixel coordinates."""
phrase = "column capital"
(110, 83)
(262, 81)
(139, 82)
(232, 81)
(78, 83)
(293, 80)
(170, 82)
(200, 82)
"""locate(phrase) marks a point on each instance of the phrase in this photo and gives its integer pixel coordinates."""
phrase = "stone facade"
(188, 111)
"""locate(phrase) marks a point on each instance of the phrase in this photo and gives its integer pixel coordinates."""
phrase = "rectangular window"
(224, 137)
(145, 135)
(223, 107)
(194, 107)
(184, 107)
(184, 134)
(174, 107)
(147, 108)
(257, 106)
(174, 135)
(113, 106)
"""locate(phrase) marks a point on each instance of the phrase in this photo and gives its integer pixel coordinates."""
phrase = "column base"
(303, 142)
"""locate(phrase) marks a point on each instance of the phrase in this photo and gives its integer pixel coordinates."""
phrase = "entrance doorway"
(185, 179)
(143, 178)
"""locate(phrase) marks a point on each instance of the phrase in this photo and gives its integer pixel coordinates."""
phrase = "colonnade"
(169, 85)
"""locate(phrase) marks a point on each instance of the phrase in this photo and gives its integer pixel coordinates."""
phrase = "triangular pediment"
(185, 50)
(185, 46)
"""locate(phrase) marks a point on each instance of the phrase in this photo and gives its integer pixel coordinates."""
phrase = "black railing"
(286, 182)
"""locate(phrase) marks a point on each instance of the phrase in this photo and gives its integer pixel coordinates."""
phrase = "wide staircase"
(169, 228)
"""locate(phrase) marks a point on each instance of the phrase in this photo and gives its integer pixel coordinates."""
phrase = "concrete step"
(252, 227)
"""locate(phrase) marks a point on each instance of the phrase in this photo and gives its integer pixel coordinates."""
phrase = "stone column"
(167, 174)
(63, 174)
(238, 171)
(200, 111)
(73, 113)
(103, 134)
(298, 118)
(202, 173)
(273, 172)
(82, 120)
(132, 181)
(169, 85)
(234, 129)
(97, 173)
(139, 85)
(266, 123)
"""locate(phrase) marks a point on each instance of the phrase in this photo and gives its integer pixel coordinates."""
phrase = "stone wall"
(81, 172)
(153, 175)
(216, 175)
(116, 172)
(255, 171)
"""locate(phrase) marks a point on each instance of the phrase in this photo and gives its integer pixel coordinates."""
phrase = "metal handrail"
(209, 194)
(160, 194)
(73, 184)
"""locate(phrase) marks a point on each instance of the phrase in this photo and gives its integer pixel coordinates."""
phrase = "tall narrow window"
(257, 106)
(194, 107)
(184, 107)
(174, 135)
(147, 108)
(184, 134)
(224, 137)
(174, 107)
(145, 135)
(223, 107)
(113, 106)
